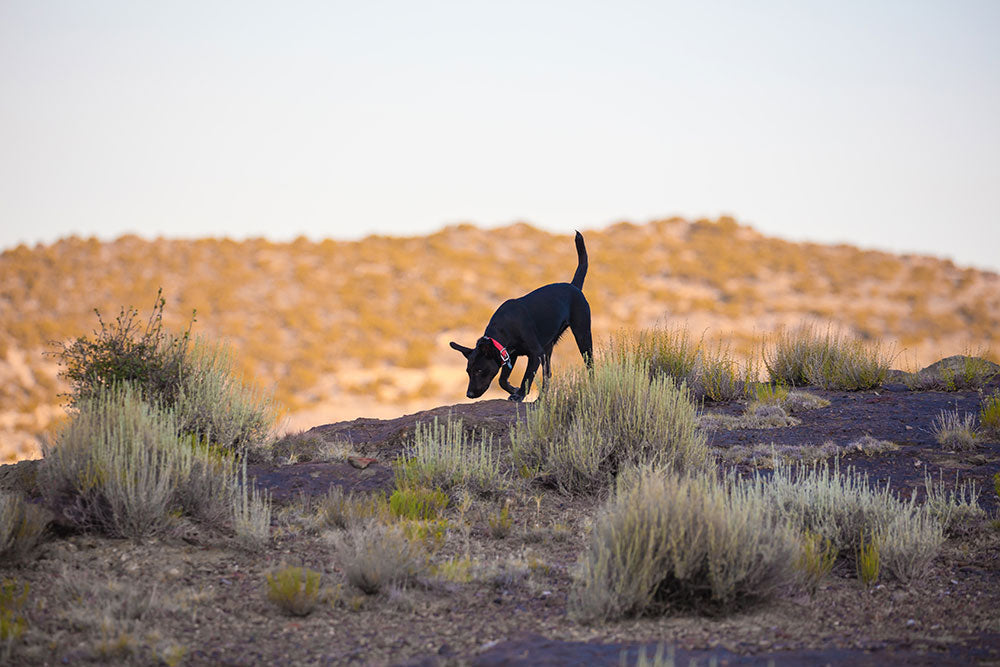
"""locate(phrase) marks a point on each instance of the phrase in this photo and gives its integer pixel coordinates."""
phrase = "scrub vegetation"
(602, 506)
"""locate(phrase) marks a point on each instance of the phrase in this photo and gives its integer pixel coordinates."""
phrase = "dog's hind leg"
(579, 322)
(546, 367)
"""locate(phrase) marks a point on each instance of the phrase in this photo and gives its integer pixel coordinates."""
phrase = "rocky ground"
(192, 598)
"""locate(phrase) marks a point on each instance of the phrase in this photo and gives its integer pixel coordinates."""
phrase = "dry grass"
(710, 373)
(831, 360)
(447, 457)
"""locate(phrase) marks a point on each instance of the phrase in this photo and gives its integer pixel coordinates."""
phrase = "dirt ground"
(192, 598)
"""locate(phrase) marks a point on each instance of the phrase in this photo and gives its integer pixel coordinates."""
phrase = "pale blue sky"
(874, 123)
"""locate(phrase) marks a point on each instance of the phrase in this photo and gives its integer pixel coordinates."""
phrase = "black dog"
(531, 326)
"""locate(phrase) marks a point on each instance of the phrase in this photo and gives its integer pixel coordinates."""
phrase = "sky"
(871, 123)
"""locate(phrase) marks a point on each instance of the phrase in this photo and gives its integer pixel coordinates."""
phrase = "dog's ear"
(466, 351)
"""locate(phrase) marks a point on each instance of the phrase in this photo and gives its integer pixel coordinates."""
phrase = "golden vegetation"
(344, 329)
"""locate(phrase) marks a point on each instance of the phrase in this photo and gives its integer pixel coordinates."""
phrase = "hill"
(346, 329)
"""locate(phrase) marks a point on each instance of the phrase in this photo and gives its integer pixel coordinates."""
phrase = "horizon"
(867, 125)
(454, 225)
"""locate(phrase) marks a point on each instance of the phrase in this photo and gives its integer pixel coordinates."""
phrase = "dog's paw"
(517, 398)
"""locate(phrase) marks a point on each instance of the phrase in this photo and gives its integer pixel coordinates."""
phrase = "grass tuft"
(709, 374)
(347, 510)
(989, 415)
(955, 431)
(953, 507)
(815, 560)
(868, 561)
(294, 590)
(251, 513)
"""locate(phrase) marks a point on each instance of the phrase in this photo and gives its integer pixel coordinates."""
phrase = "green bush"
(670, 543)
(22, 525)
(589, 426)
(193, 378)
(417, 503)
(146, 356)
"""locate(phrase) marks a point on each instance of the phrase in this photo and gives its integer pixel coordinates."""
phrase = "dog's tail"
(581, 267)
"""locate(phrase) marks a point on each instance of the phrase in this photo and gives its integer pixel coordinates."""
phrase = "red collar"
(504, 355)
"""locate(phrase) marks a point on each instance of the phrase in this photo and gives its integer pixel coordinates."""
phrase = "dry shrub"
(121, 467)
(588, 426)
(116, 465)
(377, 556)
(956, 507)
(22, 526)
(672, 543)
(843, 507)
(214, 403)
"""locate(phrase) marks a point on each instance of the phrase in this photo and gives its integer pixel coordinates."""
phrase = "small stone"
(360, 462)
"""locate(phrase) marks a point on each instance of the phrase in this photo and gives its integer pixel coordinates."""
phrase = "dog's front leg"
(529, 374)
(505, 376)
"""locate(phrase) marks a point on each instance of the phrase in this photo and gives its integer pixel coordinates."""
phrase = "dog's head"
(484, 363)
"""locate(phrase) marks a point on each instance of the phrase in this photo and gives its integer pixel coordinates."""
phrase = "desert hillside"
(347, 329)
